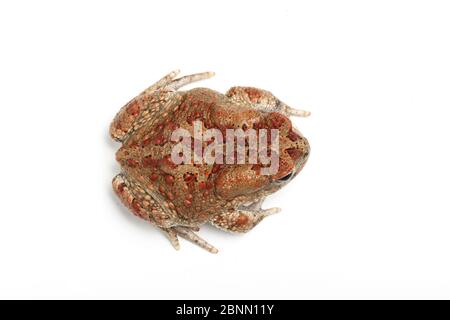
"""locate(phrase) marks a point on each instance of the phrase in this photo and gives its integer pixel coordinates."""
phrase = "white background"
(367, 218)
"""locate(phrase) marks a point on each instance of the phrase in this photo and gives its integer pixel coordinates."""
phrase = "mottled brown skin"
(180, 198)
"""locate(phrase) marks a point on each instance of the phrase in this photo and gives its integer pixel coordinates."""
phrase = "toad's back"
(190, 190)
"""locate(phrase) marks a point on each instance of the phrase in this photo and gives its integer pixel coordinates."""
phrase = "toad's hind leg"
(263, 100)
(180, 82)
(141, 203)
(169, 82)
(143, 108)
(144, 206)
(148, 104)
(172, 236)
(190, 235)
(161, 83)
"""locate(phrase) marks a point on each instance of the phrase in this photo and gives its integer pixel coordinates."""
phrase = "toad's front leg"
(242, 219)
(263, 100)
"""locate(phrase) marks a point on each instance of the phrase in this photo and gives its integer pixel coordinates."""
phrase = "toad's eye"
(286, 177)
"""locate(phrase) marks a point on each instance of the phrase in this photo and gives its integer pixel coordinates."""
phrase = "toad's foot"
(169, 83)
(183, 81)
(242, 220)
(296, 112)
(188, 234)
